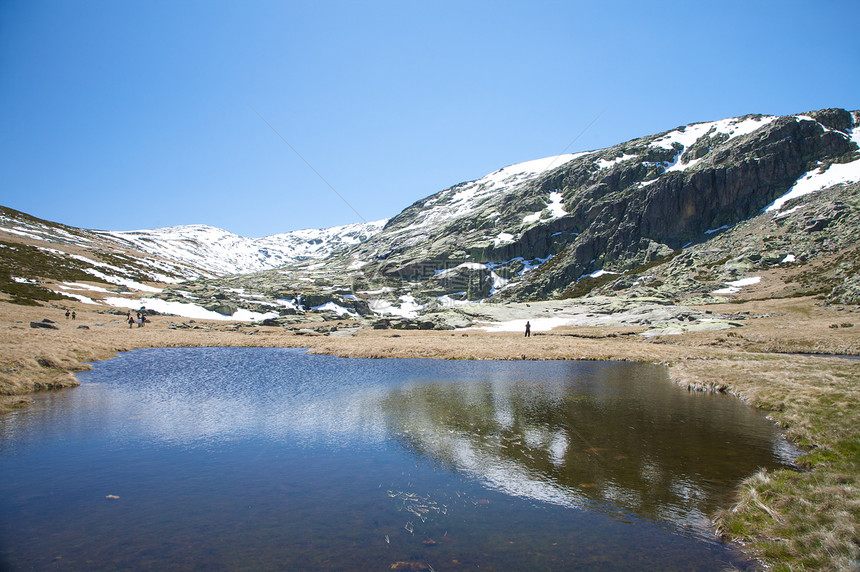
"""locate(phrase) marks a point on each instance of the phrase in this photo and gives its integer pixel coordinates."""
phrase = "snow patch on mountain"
(555, 206)
(503, 238)
(408, 307)
(606, 164)
(684, 137)
(335, 308)
(735, 286)
(527, 169)
(120, 281)
(820, 178)
(463, 199)
(733, 127)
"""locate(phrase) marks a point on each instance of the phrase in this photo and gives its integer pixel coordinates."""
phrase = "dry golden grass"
(791, 520)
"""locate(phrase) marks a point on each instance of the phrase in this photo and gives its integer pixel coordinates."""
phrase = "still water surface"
(272, 459)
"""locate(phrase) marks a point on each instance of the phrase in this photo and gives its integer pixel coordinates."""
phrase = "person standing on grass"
(528, 330)
(130, 321)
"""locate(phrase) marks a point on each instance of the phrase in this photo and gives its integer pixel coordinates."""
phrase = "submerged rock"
(411, 566)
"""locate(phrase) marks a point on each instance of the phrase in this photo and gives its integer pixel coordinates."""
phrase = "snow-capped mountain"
(222, 252)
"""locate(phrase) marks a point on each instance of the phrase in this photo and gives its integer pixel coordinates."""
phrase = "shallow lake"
(273, 459)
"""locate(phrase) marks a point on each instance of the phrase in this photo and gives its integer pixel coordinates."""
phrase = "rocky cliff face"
(625, 219)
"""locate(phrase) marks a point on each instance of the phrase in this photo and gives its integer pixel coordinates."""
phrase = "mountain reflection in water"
(623, 438)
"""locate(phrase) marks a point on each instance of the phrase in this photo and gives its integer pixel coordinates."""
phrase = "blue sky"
(128, 115)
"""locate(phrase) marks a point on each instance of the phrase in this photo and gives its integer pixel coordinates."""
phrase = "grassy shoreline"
(789, 520)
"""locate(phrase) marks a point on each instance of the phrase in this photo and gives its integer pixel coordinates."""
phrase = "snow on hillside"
(687, 136)
(463, 199)
(222, 252)
(157, 270)
(733, 127)
(820, 178)
(185, 310)
(555, 206)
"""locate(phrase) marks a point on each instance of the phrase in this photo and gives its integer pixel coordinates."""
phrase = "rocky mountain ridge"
(564, 226)
(675, 217)
(611, 209)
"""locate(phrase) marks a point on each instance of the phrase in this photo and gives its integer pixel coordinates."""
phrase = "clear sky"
(126, 115)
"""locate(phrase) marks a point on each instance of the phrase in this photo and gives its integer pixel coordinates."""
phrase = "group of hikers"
(70, 313)
(141, 319)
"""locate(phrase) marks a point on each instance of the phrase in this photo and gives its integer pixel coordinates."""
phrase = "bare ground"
(807, 520)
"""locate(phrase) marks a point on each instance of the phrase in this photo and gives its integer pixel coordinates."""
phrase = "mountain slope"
(608, 210)
(43, 261)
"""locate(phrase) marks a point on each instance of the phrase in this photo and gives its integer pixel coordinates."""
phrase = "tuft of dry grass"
(798, 520)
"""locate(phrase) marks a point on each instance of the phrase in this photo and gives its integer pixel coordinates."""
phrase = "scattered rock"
(223, 308)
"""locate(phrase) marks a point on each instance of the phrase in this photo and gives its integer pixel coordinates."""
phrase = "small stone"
(410, 566)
